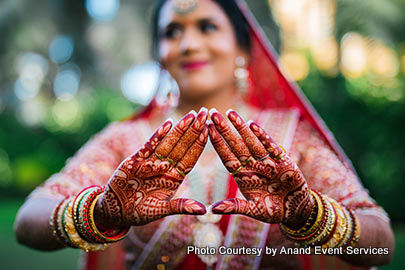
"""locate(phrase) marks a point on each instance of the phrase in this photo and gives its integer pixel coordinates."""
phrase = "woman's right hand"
(141, 189)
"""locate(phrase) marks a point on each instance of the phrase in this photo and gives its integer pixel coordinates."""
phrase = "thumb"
(186, 206)
(234, 206)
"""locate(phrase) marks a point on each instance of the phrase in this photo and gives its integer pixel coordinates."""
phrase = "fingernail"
(193, 112)
(228, 111)
(169, 120)
(249, 122)
(203, 109)
(213, 110)
(209, 122)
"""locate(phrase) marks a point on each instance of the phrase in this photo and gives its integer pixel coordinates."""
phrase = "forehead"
(204, 9)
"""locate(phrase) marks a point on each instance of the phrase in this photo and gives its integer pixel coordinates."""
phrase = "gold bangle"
(61, 224)
(357, 230)
(118, 236)
(77, 218)
(308, 231)
(329, 225)
(73, 235)
(355, 236)
(349, 228)
(340, 226)
(81, 215)
(328, 221)
(57, 224)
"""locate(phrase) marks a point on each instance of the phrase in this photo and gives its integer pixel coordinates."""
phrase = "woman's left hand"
(274, 187)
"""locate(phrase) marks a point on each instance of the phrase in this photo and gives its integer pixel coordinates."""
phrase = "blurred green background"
(64, 75)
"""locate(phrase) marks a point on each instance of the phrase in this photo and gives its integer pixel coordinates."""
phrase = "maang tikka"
(184, 6)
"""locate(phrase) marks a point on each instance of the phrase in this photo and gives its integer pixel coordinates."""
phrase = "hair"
(230, 8)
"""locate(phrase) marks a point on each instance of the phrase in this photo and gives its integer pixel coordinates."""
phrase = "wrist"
(101, 219)
(334, 226)
(108, 232)
(301, 218)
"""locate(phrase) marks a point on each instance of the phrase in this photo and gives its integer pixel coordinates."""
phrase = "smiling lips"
(193, 65)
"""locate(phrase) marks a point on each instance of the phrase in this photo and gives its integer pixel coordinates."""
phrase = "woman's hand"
(141, 189)
(274, 187)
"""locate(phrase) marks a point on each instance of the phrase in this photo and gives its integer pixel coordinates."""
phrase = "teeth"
(228, 111)
(213, 110)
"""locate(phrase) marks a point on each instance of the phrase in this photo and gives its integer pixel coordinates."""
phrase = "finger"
(275, 151)
(228, 158)
(149, 147)
(234, 141)
(189, 137)
(234, 206)
(174, 135)
(185, 206)
(155, 208)
(188, 161)
(256, 148)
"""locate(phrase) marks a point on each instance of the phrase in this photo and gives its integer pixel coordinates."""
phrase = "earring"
(241, 75)
(167, 93)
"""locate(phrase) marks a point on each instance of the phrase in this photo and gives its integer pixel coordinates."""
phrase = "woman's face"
(198, 48)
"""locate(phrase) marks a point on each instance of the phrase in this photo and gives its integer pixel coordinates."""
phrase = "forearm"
(32, 224)
(375, 233)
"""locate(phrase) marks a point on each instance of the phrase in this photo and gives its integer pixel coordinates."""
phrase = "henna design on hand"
(274, 187)
(141, 189)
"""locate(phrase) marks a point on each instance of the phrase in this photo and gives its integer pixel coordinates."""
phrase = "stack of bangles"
(72, 222)
(329, 225)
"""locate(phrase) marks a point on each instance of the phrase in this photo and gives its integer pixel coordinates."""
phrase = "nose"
(190, 41)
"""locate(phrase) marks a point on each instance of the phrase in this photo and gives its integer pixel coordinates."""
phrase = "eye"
(207, 27)
(171, 32)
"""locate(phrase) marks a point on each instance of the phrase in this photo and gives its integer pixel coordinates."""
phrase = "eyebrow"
(198, 21)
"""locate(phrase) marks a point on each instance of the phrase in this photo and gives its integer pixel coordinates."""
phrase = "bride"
(277, 180)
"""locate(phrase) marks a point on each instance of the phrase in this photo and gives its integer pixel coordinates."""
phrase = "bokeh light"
(383, 60)
(32, 112)
(354, 55)
(66, 83)
(140, 83)
(32, 69)
(61, 49)
(102, 10)
(67, 115)
(296, 64)
(325, 55)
